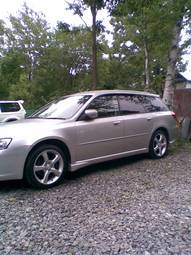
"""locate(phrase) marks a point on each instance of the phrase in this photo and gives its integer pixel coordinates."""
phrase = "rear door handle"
(149, 118)
(116, 122)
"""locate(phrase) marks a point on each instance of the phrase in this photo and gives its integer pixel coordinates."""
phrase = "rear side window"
(9, 107)
(130, 104)
(154, 104)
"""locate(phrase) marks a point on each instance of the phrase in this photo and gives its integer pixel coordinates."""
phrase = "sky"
(55, 10)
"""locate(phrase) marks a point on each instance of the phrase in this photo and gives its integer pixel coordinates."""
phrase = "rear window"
(132, 104)
(154, 104)
(9, 107)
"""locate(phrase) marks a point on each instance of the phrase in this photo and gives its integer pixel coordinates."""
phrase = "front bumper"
(12, 163)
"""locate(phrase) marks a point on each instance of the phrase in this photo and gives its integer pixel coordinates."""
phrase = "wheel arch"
(165, 130)
(10, 119)
(55, 142)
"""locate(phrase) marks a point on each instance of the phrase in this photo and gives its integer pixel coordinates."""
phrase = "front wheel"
(158, 145)
(45, 167)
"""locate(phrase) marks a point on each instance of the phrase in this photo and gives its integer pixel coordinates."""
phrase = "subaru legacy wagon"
(82, 129)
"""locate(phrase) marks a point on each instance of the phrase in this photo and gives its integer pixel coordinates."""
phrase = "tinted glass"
(154, 104)
(130, 104)
(107, 106)
(64, 108)
(9, 107)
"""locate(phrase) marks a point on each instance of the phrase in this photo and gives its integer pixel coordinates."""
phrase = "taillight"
(176, 119)
(174, 115)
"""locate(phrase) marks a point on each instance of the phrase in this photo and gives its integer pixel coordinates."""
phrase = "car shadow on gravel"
(9, 186)
(111, 165)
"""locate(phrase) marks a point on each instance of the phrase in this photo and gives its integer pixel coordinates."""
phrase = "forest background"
(39, 63)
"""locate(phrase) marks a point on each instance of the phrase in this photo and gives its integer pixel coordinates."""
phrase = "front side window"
(130, 104)
(64, 108)
(106, 106)
(9, 107)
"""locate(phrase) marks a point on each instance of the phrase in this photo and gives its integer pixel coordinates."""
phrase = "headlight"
(4, 143)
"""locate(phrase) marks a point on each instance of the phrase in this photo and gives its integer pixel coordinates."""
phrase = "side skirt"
(83, 163)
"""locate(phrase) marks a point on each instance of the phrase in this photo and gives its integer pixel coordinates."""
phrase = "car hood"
(26, 126)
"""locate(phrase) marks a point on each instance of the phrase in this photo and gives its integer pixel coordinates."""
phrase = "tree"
(125, 61)
(3, 85)
(180, 15)
(94, 5)
(2, 36)
(65, 68)
(153, 28)
(140, 23)
(29, 36)
(26, 41)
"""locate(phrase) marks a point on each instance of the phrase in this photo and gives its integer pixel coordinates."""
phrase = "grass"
(181, 144)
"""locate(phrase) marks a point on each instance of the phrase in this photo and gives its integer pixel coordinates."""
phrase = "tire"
(45, 167)
(10, 120)
(158, 146)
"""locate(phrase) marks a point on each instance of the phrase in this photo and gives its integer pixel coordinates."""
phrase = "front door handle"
(116, 122)
(149, 118)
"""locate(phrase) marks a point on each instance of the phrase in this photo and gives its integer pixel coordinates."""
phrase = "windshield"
(63, 108)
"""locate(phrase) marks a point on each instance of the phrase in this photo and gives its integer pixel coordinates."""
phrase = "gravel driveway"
(129, 206)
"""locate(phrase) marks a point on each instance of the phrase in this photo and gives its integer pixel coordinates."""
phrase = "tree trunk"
(171, 67)
(147, 74)
(94, 46)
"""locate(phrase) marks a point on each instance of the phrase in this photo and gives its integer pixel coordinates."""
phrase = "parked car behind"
(82, 129)
(11, 110)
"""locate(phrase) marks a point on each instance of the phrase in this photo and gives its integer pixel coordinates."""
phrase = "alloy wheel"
(160, 144)
(48, 166)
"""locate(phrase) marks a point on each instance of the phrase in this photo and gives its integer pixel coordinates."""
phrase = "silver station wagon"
(82, 129)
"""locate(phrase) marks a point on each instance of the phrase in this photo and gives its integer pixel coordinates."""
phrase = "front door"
(102, 136)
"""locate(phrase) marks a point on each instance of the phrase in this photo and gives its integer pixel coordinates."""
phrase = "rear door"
(137, 123)
(102, 136)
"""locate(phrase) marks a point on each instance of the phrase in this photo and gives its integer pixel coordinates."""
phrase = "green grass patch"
(181, 144)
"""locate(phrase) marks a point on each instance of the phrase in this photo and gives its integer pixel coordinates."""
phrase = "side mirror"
(91, 114)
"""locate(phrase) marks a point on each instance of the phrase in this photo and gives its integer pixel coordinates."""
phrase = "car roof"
(102, 92)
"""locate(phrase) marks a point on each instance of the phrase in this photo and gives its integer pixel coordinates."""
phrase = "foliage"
(147, 26)
(38, 64)
(21, 90)
(64, 65)
(29, 36)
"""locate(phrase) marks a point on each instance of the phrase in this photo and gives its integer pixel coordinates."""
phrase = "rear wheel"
(45, 167)
(159, 144)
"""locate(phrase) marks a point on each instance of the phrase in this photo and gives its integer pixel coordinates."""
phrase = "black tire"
(11, 120)
(45, 167)
(158, 146)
